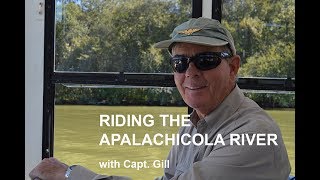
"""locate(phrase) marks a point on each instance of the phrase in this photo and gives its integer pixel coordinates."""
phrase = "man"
(205, 67)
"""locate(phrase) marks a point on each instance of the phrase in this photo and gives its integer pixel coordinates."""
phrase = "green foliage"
(67, 95)
(277, 61)
(257, 25)
(273, 100)
(117, 36)
(118, 96)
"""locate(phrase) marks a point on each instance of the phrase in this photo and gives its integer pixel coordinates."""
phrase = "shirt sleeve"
(240, 162)
(82, 173)
(172, 157)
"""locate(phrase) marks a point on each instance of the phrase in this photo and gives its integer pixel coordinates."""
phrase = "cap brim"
(200, 40)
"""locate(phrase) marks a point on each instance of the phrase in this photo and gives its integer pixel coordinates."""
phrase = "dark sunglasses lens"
(179, 64)
(206, 62)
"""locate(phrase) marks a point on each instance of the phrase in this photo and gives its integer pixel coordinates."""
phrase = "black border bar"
(216, 9)
(48, 86)
(196, 8)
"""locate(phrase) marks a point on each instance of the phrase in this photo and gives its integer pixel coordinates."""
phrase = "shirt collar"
(228, 106)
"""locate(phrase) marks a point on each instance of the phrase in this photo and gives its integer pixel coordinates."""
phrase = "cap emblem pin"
(188, 31)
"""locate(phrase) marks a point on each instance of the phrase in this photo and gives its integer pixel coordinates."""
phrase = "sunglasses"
(203, 61)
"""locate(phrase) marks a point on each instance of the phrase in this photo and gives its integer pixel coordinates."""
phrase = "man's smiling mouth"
(195, 87)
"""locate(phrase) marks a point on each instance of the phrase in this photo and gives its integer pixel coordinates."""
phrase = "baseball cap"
(202, 31)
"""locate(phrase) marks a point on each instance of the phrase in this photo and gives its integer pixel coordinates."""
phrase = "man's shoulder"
(250, 110)
(251, 117)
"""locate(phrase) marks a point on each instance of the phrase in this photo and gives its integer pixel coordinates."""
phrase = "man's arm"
(82, 173)
(51, 168)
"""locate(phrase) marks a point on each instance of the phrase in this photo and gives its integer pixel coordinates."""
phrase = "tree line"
(118, 36)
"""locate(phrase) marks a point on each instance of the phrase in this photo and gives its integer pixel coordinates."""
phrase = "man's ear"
(234, 65)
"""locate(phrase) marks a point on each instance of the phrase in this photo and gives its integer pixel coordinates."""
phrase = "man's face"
(203, 90)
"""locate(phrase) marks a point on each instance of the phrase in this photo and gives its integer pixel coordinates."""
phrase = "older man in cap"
(205, 66)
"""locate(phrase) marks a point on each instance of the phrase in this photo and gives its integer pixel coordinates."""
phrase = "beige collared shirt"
(236, 116)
